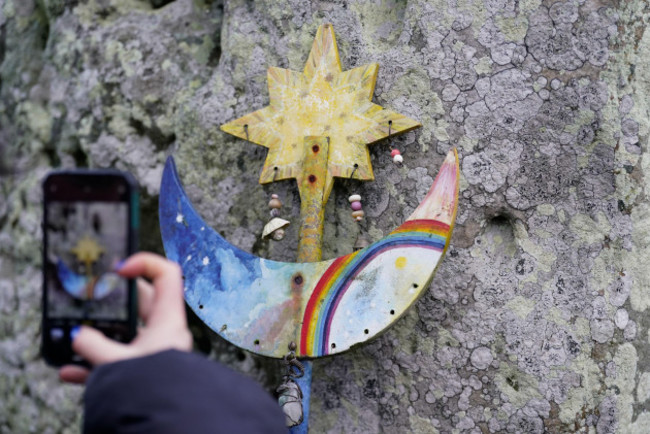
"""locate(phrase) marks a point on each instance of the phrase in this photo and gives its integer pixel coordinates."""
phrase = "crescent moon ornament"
(325, 307)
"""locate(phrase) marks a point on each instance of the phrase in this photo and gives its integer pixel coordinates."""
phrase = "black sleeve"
(177, 392)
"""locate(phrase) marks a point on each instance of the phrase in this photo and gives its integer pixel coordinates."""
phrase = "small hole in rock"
(315, 148)
(366, 331)
(200, 306)
(257, 342)
(333, 345)
(392, 312)
(415, 285)
(312, 178)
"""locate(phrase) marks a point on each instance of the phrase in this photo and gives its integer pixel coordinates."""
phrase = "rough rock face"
(537, 319)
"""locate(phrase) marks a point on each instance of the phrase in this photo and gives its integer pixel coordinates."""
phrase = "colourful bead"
(275, 203)
(356, 206)
(275, 212)
(275, 196)
(357, 214)
(398, 158)
(354, 198)
(394, 152)
(278, 234)
(359, 218)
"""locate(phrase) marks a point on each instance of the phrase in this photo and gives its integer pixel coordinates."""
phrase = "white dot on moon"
(179, 218)
(206, 260)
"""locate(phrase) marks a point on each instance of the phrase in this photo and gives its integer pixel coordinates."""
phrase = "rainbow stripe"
(330, 289)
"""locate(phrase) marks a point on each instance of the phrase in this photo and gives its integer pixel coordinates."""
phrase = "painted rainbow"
(322, 305)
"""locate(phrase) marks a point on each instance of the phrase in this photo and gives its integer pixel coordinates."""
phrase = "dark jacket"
(177, 392)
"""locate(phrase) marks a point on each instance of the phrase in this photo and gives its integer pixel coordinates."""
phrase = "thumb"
(92, 345)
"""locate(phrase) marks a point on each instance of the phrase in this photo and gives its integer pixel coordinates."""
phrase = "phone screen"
(88, 231)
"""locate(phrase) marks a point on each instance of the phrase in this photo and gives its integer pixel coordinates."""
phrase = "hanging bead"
(355, 204)
(275, 202)
(278, 234)
(397, 156)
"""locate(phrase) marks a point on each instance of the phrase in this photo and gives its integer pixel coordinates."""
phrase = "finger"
(73, 374)
(145, 298)
(168, 306)
(92, 345)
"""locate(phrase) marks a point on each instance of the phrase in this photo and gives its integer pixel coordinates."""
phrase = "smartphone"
(90, 225)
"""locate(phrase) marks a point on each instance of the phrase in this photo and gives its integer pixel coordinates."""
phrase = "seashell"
(273, 225)
(361, 243)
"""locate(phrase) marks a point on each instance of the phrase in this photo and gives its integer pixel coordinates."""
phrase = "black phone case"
(68, 356)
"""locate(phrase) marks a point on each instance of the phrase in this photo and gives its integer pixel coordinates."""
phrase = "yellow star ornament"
(318, 126)
(87, 250)
(324, 102)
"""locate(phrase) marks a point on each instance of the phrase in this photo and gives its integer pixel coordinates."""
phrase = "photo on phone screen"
(88, 225)
(86, 241)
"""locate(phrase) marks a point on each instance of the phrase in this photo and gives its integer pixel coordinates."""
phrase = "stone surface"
(536, 320)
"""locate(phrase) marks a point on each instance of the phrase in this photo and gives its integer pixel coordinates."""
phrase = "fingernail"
(74, 331)
(119, 265)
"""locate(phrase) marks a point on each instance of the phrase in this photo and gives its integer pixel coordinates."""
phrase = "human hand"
(162, 308)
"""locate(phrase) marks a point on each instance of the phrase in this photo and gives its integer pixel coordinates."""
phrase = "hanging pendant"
(358, 214)
(275, 227)
(290, 398)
